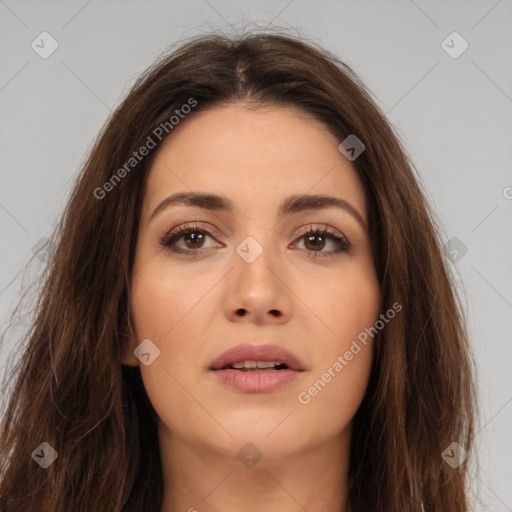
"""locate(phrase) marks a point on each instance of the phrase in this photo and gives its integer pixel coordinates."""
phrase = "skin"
(187, 306)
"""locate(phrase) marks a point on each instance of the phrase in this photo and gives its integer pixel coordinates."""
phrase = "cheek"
(344, 348)
(163, 303)
(352, 310)
(167, 312)
(344, 306)
(330, 400)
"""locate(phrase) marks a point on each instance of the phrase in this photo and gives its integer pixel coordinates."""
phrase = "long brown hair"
(70, 389)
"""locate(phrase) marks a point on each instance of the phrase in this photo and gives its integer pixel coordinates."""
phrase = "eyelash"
(169, 239)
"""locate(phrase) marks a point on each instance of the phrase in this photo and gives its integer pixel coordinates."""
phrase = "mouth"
(257, 368)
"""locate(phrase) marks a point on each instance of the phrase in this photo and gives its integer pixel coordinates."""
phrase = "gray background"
(454, 116)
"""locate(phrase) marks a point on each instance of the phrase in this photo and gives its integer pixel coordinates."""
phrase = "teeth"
(266, 364)
(255, 364)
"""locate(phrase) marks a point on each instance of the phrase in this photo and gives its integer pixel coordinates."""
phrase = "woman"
(248, 306)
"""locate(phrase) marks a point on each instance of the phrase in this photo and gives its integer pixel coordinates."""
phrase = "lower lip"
(256, 382)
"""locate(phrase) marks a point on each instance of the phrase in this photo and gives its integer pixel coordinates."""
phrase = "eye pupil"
(195, 237)
(313, 237)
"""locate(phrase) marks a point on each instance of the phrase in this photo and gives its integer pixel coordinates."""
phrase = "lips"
(257, 380)
(248, 352)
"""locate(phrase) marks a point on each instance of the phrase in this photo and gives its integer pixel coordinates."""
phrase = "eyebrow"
(290, 205)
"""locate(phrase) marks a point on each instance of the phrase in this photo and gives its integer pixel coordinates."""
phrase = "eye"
(315, 239)
(193, 237)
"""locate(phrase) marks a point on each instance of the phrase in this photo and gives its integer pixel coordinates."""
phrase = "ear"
(128, 357)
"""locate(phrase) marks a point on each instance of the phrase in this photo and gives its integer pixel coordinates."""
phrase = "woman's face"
(253, 275)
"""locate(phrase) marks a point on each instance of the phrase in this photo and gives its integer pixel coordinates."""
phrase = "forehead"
(255, 157)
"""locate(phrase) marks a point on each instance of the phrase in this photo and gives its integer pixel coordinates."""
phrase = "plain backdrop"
(453, 112)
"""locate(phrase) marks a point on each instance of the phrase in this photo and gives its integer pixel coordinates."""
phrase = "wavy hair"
(69, 387)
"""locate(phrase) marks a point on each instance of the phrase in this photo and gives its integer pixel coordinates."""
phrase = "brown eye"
(193, 239)
(314, 242)
(188, 239)
(316, 238)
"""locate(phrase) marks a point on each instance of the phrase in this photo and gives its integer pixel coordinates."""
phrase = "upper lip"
(248, 352)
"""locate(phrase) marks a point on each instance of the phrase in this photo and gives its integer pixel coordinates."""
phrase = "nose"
(258, 291)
